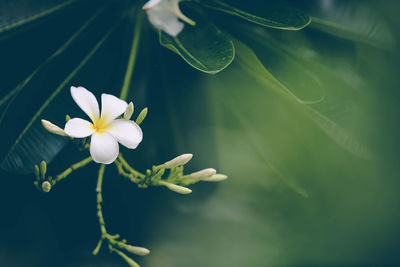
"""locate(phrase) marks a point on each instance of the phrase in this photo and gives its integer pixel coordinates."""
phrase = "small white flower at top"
(164, 14)
(106, 130)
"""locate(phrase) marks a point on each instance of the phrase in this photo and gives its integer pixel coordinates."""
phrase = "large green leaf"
(33, 143)
(300, 78)
(18, 13)
(254, 133)
(275, 14)
(203, 46)
(354, 21)
(340, 135)
(10, 97)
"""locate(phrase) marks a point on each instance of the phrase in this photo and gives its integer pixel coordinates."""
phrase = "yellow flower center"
(100, 125)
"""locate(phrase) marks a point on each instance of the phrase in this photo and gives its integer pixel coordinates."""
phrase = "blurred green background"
(313, 162)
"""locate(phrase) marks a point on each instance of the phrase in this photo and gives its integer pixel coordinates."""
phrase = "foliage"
(299, 114)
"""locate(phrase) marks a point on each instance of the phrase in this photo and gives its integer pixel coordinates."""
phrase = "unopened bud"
(178, 161)
(202, 174)
(129, 111)
(159, 174)
(137, 250)
(37, 172)
(67, 118)
(43, 169)
(46, 186)
(53, 128)
(142, 116)
(215, 178)
(176, 188)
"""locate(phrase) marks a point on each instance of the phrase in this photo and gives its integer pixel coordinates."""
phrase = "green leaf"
(259, 148)
(22, 12)
(203, 46)
(285, 64)
(353, 21)
(11, 95)
(34, 144)
(273, 15)
(251, 63)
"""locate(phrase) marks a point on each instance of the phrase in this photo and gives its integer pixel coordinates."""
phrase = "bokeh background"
(313, 173)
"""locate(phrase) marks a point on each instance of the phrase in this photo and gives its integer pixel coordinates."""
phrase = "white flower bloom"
(164, 14)
(105, 130)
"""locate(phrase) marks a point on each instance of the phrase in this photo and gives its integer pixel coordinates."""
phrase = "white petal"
(111, 107)
(78, 128)
(151, 4)
(165, 21)
(103, 148)
(128, 133)
(86, 101)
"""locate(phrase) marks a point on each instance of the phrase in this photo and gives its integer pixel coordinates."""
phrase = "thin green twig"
(73, 167)
(126, 165)
(100, 200)
(133, 56)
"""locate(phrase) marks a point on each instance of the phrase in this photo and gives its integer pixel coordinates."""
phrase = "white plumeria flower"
(106, 131)
(164, 14)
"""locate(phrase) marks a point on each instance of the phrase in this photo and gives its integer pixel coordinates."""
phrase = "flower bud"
(178, 161)
(176, 188)
(142, 116)
(159, 174)
(46, 186)
(43, 169)
(129, 111)
(202, 174)
(137, 250)
(53, 128)
(37, 172)
(67, 118)
(215, 178)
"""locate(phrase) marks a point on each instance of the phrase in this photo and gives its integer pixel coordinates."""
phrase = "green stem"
(97, 249)
(129, 168)
(100, 200)
(132, 57)
(73, 167)
(121, 170)
(128, 260)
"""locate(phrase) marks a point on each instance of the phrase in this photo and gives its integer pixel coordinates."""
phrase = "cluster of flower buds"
(40, 175)
(106, 131)
(114, 245)
(177, 181)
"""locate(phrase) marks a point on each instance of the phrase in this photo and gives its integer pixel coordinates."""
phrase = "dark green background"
(273, 153)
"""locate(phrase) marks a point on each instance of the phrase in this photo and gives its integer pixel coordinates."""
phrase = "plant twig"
(100, 200)
(132, 57)
(73, 167)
